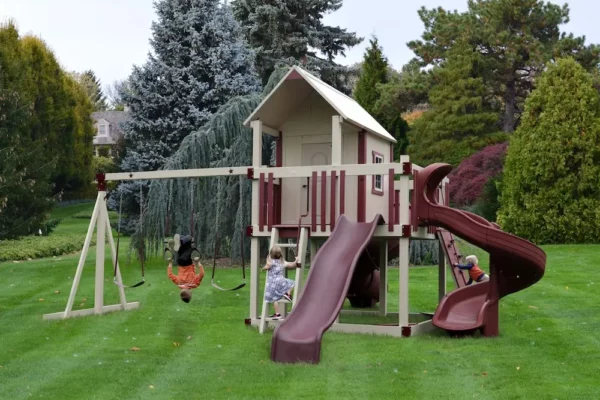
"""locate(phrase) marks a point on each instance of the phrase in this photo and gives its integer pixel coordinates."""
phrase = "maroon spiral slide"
(515, 263)
(298, 337)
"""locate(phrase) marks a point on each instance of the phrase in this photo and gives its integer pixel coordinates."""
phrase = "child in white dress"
(278, 286)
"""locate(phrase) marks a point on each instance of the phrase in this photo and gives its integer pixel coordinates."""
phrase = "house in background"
(109, 129)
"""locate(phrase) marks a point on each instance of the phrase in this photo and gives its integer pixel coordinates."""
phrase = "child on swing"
(186, 277)
(278, 286)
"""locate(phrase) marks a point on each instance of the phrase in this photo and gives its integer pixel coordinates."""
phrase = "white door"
(315, 154)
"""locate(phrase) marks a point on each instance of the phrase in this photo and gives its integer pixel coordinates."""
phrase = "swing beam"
(100, 223)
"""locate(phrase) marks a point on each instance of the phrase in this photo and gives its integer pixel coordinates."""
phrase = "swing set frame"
(100, 224)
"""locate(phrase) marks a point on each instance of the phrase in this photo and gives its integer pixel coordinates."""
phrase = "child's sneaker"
(287, 297)
(275, 316)
(177, 242)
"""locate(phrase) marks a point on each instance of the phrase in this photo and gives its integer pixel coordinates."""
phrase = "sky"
(111, 36)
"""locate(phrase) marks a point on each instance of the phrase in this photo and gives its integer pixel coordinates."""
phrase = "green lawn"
(549, 345)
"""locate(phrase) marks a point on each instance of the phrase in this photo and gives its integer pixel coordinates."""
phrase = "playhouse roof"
(288, 94)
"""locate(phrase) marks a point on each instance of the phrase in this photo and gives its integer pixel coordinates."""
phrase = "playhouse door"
(315, 154)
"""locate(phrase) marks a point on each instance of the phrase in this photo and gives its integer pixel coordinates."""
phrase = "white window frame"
(103, 125)
(378, 158)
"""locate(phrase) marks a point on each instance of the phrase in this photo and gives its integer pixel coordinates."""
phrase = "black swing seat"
(212, 282)
(129, 287)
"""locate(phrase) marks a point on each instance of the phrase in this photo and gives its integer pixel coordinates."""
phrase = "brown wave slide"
(515, 263)
(298, 337)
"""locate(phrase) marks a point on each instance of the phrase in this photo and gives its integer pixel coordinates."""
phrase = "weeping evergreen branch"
(216, 207)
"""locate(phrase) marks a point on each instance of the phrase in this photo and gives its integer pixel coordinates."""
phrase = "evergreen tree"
(374, 71)
(550, 191)
(463, 117)
(514, 39)
(25, 200)
(92, 87)
(200, 61)
(287, 32)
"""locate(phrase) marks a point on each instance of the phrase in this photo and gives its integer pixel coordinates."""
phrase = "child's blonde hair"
(275, 253)
(472, 259)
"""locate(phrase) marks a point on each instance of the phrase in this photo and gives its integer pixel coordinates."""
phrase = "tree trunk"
(510, 107)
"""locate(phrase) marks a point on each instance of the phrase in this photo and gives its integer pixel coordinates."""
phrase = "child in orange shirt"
(475, 273)
(186, 277)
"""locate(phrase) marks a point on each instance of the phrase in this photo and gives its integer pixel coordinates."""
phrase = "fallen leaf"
(41, 299)
(176, 344)
(518, 368)
(151, 386)
(56, 291)
(189, 338)
(534, 307)
(425, 371)
(566, 287)
(135, 349)
(84, 299)
(484, 373)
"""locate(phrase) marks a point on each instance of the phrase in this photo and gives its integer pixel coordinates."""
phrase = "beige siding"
(306, 128)
(377, 204)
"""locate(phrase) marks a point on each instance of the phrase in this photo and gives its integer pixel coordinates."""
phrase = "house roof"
(115, 118)
(291, 91)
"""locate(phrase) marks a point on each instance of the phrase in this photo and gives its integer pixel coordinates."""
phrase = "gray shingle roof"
(115, 118)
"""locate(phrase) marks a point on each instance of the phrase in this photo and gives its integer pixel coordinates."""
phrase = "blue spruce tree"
(199, 61)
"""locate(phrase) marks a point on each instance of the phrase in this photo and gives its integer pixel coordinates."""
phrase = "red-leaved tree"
(467, 181)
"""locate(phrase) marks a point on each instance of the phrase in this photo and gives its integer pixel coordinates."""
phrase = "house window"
(377, 179)
(102, 130)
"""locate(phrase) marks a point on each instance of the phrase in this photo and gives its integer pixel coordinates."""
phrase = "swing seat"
(129, 287)
(212, 282)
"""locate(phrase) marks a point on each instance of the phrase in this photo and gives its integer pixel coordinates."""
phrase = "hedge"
(32, 247)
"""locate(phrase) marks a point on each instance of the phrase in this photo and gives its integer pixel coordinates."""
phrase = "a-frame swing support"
(101, 224)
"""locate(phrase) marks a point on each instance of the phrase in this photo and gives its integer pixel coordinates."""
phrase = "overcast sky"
(110, 36)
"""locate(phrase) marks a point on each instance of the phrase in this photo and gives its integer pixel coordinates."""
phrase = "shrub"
(550, 189)
(424, 252)
(40, 246)
(467, 182)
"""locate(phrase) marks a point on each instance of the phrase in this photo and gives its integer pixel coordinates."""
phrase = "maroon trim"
(294, 76)
(261, 202)
(250, 230)
(277, 199)
(101, 179)
(397, 204)
(362, 184)
(247, 321)
(271, 208)
(250, 173)
(373, 190)
(406, 331)
(406, 168)
(391, 196)
(406, 230)
(413, 203)
(333, 197)
(323, 200)
(342, 192)
(313, 208)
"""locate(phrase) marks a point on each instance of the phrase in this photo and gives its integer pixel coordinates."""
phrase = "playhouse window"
(377, 179)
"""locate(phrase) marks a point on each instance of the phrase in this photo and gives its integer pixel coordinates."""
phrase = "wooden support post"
(383, 276)
(391, 199)
(270, 203)
(441, 271)
(336, 140)
(403, 306)
(261, 202)
(100, 254)
(342, 192)
(111, 241)
(313, 206)
(82, 257)
(257, 129)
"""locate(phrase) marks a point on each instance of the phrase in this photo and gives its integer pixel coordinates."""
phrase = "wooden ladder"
(302, 246)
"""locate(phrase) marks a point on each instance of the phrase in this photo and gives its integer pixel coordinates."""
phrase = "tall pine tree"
(373, 73)
(463, 117)
(93, 88)
(288, 32)
(514, 39)
(200, 61)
